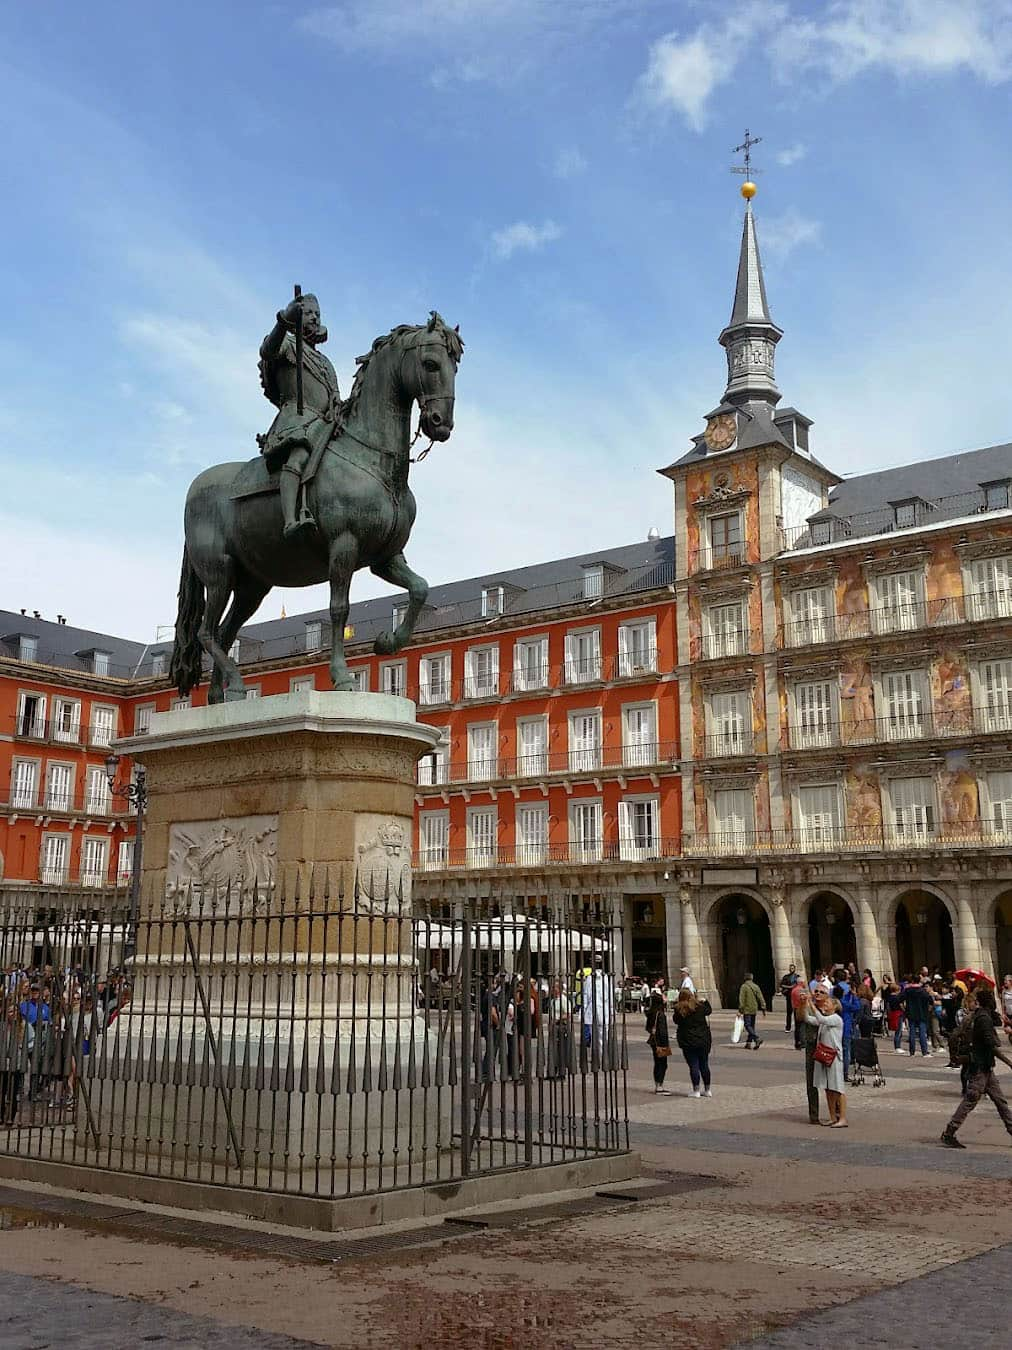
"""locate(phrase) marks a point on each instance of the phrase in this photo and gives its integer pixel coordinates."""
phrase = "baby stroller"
(864, 1055)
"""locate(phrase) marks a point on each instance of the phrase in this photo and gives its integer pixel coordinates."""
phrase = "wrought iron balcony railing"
(838, 529)
(728, 744)
(720, 646)
(909, 725)
(481, 768)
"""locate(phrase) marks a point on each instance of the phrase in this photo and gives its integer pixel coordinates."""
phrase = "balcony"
(887, 621)
(987, 833)
(719, 557)
(720, 646)
(79, 801)
(730, 744)
(840, 529)
(93, 879)
(588, 852)
(909, 725)
(53, 876)
(641, 757)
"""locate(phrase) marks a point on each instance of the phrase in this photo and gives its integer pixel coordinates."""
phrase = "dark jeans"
(918, 1031)
(811, 1040)
(790, 1013)
(660, 1068)
(750, 1031)
(699, 1066)
(980, 1083)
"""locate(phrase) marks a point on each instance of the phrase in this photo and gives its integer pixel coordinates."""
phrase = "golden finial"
(748, 188)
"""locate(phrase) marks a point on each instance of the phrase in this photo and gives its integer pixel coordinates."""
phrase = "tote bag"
(738, 1030)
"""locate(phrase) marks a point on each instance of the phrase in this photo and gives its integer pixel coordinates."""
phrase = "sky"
(551, 175)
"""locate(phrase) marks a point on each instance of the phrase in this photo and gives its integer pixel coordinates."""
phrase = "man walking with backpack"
(981, 1079)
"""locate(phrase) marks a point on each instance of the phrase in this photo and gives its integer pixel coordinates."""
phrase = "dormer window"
(492, 602)
(314, 635)
(399, 611)
(157, 663)
(100, 663)
(28, 648)
(906, 514)
(822, 532)
(593, 581)
(996, 495)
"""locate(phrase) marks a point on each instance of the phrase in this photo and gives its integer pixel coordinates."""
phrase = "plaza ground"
(760, 1228)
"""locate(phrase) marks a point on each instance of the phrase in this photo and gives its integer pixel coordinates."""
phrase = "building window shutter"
(97, 793)
(820, 815)
(58, 796)
(586, 741)
(103, 725)
(898, 602)
(904, 694)
(55, 851)
(625, 837)
(814, 705)
(26, 784)
(640, 731)
(996, 692)
(913, 802)
(125, 860)
(532, 834)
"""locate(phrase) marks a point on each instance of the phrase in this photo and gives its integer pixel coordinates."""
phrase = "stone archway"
(1003, 935)
(923, 928)
(832, 940)
(743, 943)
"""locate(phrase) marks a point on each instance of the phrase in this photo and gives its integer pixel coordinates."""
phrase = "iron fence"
(312, 1041)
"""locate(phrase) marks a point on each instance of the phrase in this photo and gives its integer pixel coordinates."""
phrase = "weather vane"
(748, 188)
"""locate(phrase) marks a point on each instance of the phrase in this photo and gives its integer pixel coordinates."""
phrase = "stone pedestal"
(273, 1002)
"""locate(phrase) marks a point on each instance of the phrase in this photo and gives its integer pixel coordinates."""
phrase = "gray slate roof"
(929, 479)
(60, 644)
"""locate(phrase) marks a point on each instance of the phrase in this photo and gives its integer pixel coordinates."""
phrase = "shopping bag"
(738, 1030)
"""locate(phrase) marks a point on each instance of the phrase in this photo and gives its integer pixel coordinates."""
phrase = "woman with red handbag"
(824, 1012)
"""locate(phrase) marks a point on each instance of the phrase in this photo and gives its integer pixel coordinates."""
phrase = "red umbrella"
(968, 974)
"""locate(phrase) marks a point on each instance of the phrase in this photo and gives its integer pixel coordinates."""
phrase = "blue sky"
(550, 174)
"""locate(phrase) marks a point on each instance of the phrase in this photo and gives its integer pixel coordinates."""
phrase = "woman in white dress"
(824, 1012)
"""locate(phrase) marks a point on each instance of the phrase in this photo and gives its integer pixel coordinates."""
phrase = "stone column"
(965, 938)
(868, 940)
(675, 957)
(780, 928)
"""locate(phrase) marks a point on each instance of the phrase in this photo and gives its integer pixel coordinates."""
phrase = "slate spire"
(751, 336)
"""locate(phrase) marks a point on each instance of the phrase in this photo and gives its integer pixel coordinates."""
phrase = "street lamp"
(136, 793)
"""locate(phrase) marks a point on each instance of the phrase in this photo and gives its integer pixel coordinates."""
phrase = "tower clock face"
(721, 431)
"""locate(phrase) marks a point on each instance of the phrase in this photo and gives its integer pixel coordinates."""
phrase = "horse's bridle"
(425, 399)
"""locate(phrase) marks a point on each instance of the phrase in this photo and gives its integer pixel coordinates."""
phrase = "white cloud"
(522, 237)
(782, 234)
(569, 163)
(849, 38)
(791, 155)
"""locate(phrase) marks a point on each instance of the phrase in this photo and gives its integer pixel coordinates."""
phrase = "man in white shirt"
(687, 981)
(598, 1000)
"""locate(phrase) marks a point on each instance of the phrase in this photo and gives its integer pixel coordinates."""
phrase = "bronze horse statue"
(360, 501)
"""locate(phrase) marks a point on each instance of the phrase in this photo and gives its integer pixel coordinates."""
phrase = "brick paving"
(793, 1219)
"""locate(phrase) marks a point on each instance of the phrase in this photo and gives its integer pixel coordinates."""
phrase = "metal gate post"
(466, 1048)
(528, 1066)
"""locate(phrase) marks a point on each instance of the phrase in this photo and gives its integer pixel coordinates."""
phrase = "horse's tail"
(187, 662)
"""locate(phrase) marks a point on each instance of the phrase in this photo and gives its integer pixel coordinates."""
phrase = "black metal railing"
(908, 617)
(721, 646)
(635, 849)
(908, 725)
(492, 767)
(727, 744)
(985, 833)
(312, 1040)
(838, 529)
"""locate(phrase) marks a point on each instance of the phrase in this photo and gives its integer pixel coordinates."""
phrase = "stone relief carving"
(383, 863)
(208, 858)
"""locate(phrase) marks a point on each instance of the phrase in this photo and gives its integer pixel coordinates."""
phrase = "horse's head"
(429, 361)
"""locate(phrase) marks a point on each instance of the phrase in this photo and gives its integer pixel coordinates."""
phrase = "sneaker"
(707, 1092)
(950, 1140)
(899, 1052)
(696, 1092)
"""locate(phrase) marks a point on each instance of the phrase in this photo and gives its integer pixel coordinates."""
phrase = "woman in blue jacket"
(850, 1011)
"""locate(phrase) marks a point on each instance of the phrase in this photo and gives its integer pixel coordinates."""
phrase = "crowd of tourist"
(49, 1020)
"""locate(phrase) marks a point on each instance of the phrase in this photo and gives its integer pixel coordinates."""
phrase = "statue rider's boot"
(289, 488)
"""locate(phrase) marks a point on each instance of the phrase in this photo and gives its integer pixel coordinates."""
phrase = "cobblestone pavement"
(972, 1298)
(796, 1219)
(36, 1314)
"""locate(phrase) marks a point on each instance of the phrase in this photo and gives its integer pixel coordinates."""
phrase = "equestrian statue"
(327, 495)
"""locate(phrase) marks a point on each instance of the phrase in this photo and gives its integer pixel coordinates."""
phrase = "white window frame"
(726, 740)
(101, 663)
(898, 614)
(808, 629)
(994, 600)
(909, 725)
(386, 671)
(532, 763)
(630, 847)
(584, 758)
(97, 792)
(532, 845)
(822, 731)
(523, 679)
(253, 691)
(593, 581)
(360, 674)
(585, 848)
(728, 836)
(63, 800)
(34, 728)
(1001, 486)
(493, 601)
(181, 704)
(992, 706)
(142, 723)
(98, 847)
(908, 833)
(723, 643)
(157, 664)
(25, 797)
(398, 614)
(72, 735)
(639, 751)
(482, 768)
(820, 836)
(312, 637)
(485, 687)
(28, 648)
(298, 684)
(583, 669)
(996, 806)
(434, 765)
(433, 852)
(710, 558)
(483, 847)
(431, 693)
(125, 860)
(629, 662)
(97, 712)
(52, 872)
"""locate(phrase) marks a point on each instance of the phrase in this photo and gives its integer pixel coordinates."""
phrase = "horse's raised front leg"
(219, 588)
(398, 573)
(343, 561)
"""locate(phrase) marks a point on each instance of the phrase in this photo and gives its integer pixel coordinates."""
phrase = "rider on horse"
(294, 435)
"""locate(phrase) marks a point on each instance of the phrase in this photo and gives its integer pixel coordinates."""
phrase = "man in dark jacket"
(787, 983)
(917, 1002)
(984, 1050)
